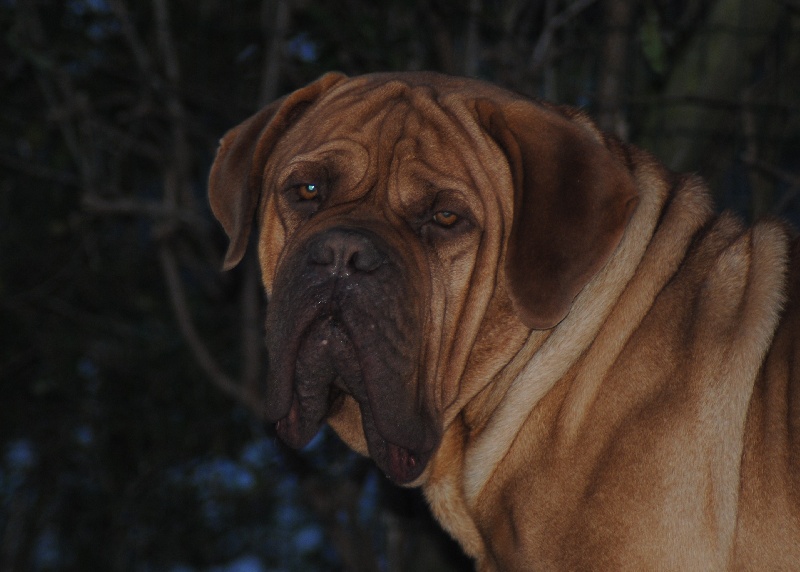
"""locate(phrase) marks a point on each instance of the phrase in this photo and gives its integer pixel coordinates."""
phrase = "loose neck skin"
(479, 438)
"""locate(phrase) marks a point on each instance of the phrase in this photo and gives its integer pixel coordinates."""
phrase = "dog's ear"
(572, 201)
(235, 182)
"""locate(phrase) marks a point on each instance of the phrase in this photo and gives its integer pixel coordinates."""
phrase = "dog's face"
(385, 209)
(370, 250)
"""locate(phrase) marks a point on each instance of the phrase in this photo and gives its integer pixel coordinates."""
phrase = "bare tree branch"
(441, 38)
(543, 46)
(177, 192)
(169, 266)
(550, 75)
(472, 47)
(56, 86)
(275, 15)
(44, 172)
(135, 207)
(790, 179)
(178, 189)
(614, 65)
(137, 47)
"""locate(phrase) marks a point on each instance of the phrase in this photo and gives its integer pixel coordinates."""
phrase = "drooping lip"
(400, 464)
(317, 381)
(283, 345)
(303, 383)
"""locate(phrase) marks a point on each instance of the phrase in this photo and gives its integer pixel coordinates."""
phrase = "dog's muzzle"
(344, 319)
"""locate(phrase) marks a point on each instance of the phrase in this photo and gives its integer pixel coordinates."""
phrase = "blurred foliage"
(121, 448)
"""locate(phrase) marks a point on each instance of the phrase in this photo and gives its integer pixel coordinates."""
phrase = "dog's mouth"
(326, 362)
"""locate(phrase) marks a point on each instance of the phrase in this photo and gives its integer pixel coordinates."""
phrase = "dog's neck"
(547, 361)
(489, 423)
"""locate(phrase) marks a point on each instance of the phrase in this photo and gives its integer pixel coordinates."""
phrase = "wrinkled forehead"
(377, 115)
(391, 130)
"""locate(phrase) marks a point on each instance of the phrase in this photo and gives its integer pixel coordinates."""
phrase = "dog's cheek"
(346, 422)
(271, 241)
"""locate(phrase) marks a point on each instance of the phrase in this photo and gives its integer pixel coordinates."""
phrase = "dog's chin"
(346, 423)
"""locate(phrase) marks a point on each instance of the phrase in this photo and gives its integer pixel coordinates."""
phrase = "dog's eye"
(307, 192)
(445, 219)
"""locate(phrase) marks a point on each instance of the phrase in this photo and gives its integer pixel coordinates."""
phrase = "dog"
(582, 364)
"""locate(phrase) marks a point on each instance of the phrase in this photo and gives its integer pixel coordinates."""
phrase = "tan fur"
(655, 427)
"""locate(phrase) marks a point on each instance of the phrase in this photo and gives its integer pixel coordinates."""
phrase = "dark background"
(130, 366)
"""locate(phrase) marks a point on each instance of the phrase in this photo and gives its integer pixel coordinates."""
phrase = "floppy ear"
(234, 185)
(572, 201)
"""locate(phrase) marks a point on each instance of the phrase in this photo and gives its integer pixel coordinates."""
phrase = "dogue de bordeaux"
(582, 364)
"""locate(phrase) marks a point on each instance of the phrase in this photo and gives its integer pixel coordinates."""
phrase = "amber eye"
(445, 218)
(308, 192)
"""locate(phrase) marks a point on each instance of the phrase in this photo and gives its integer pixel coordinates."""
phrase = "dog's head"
(412, 229)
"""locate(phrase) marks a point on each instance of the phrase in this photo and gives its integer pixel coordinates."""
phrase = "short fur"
(588, 369)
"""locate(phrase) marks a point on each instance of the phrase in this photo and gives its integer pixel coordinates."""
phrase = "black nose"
(344, 252)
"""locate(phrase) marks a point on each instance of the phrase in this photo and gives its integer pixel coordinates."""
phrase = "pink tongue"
(402, 464)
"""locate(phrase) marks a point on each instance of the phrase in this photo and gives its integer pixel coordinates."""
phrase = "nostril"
(366, 259)
(345, 252)
(322, 253)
